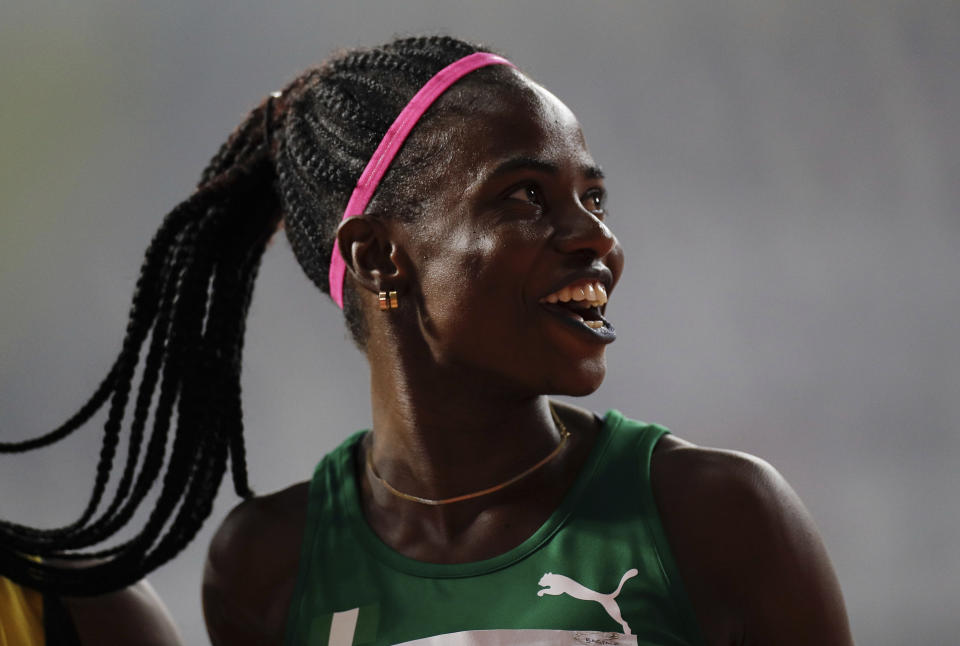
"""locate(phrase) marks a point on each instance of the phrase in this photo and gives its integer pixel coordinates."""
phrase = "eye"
(595, 201)
(527, 193)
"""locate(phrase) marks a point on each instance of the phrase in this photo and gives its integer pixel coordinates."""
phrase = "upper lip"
(599, 273)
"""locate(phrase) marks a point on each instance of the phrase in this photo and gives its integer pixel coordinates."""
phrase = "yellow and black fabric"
(29, 618)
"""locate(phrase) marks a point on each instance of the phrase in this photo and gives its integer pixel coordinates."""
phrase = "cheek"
(458, 257)
(450, 274)
(473, 275)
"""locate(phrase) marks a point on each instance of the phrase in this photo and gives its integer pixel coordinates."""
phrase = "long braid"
(176, 318)
(296, 157)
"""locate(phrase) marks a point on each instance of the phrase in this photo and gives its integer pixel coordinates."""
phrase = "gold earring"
(388, 301)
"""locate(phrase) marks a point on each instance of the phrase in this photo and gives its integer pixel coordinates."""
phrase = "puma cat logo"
(558, 584)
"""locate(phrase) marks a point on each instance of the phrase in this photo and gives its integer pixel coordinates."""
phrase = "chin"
(584, 380)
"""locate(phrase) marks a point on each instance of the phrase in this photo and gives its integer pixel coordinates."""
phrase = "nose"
(579, 230)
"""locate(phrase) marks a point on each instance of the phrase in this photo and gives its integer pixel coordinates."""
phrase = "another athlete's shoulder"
(133, 615)
(748, 550)
(252, 566)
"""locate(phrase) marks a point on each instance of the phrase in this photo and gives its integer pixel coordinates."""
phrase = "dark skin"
(473, 348)
(132, 616)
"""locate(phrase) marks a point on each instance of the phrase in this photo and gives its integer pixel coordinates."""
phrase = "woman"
(473, 269)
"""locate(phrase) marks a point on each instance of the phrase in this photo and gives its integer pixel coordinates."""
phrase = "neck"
(441, 433)
(454, 435)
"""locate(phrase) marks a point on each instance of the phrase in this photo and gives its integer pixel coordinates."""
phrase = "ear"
(371, 253)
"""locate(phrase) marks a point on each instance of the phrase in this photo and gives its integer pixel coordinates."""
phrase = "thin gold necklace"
(564, 434)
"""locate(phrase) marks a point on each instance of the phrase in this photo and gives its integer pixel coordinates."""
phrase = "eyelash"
(528, 189)
(596, 194)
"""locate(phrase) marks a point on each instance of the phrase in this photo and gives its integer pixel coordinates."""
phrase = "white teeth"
(596, 325)
(591, 294)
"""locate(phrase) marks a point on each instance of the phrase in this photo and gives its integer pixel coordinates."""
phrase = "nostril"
(587, 236)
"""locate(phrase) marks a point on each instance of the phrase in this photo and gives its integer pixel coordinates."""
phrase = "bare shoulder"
(252, 566)
(133, 615)
(681, 468)
(749, 553)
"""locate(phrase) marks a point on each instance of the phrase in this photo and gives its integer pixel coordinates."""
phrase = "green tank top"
(598, 571)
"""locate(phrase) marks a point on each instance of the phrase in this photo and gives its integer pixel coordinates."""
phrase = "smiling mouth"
(581, 302)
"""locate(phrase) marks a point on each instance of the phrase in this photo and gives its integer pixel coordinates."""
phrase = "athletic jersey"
(21, 615)
(29, 618)
(598, 571)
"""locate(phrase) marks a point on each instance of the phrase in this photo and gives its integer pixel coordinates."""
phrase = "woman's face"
(517, 228)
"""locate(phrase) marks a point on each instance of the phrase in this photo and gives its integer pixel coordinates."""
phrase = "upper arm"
(251, 569)
(753, 561)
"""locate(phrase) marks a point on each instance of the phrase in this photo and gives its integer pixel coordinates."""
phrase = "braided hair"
(295, 160)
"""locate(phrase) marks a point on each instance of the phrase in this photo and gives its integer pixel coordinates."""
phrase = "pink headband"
(391, 143)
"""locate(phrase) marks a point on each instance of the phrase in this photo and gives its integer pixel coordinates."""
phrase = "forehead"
(521, 121)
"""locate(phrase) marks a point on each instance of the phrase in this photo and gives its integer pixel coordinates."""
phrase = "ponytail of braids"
(191, 300)
(296, 158)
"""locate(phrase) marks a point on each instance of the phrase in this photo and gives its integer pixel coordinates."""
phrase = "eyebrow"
(530, 163)
(593, 172)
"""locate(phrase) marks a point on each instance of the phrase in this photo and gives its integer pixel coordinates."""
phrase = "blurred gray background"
(783, 176)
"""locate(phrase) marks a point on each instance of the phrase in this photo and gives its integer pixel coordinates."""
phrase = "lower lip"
(604, 334)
